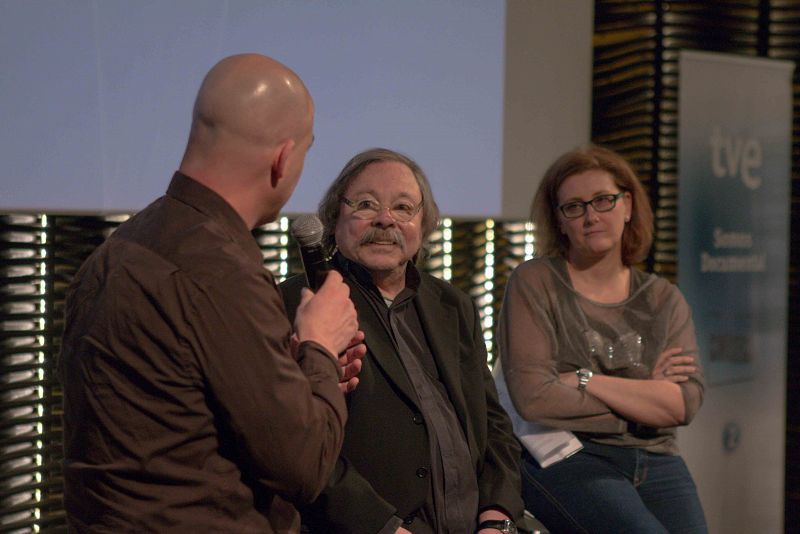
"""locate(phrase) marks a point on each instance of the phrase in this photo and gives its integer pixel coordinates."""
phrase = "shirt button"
(422, 472)
(418, 420)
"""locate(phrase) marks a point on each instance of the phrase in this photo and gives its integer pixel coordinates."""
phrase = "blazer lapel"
(439, 317)
(380, 347)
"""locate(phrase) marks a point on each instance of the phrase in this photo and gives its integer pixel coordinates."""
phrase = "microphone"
(307, 231)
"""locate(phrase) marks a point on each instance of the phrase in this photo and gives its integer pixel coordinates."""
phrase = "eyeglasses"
(600, 203)
(367, 209)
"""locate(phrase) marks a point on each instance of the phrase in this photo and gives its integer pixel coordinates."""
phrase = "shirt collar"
(191, 192)
(364, 277)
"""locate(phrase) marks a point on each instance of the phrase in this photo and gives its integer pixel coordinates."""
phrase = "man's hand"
(327, 317)
(351, 361)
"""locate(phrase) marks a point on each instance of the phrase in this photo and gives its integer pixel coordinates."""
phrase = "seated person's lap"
(593, 491)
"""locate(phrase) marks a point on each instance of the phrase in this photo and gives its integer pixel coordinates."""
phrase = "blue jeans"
(605, 488)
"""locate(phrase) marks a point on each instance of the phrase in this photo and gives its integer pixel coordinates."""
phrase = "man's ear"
(280, 160)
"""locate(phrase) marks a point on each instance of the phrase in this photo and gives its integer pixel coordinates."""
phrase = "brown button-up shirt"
(184, 410)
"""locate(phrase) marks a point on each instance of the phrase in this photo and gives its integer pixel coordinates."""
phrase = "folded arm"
(527, 341)
(547, 394)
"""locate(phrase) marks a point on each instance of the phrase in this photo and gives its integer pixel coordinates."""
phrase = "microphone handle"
(315, 264)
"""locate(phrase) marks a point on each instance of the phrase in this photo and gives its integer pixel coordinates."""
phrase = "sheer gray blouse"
(546, 327)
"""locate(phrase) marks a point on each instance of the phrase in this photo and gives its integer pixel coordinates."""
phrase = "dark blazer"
(386, 443)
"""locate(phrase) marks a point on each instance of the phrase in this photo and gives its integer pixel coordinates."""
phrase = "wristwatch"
(583, 377)
(506, 526)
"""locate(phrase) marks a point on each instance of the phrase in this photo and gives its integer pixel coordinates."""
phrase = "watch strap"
(583, 377)
(506, 526)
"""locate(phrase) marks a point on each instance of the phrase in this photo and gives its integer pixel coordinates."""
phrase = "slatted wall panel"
(40, 254)
(627, 88)
(280, 252)
(25, 491)
(479, 259)
(438, 258)
(513, 244)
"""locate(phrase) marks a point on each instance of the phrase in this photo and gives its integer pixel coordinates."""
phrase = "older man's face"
(381, 244)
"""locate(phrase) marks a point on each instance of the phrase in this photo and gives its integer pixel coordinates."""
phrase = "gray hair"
(329, 206)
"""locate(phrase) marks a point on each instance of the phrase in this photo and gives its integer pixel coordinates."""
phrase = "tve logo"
(732, 156)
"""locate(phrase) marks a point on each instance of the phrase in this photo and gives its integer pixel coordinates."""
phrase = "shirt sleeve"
(287, 415)
(528, 347)
(681, 333)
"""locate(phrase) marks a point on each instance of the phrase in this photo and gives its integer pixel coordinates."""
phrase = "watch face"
(509, 527)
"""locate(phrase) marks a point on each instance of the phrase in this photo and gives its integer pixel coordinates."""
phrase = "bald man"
(189, 406)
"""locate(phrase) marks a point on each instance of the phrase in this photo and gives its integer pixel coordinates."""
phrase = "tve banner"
(734, 155)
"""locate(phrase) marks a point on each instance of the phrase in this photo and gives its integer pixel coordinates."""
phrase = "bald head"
(253, 99)
(251, 126)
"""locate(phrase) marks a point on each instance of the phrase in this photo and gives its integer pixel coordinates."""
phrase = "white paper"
(548, 445)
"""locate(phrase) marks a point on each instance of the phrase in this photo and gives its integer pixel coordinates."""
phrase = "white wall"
(548, 93)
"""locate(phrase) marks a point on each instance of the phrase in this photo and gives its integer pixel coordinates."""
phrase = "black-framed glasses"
(367, 209)
(601, 203)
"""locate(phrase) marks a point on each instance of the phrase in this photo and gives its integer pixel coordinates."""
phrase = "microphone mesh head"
(307, 230)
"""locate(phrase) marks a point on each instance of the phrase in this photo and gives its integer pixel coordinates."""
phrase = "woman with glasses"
(591, 344)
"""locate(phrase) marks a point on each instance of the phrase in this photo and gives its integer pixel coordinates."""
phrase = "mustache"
(383, 234)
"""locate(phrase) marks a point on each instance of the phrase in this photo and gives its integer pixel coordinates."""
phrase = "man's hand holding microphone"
(328, 316)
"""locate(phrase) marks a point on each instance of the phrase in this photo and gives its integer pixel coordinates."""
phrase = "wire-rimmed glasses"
(368, 209)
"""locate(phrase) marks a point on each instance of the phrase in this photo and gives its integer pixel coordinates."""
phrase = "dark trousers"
(610, 489)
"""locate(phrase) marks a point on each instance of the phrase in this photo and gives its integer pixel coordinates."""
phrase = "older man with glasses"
(427, 446)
